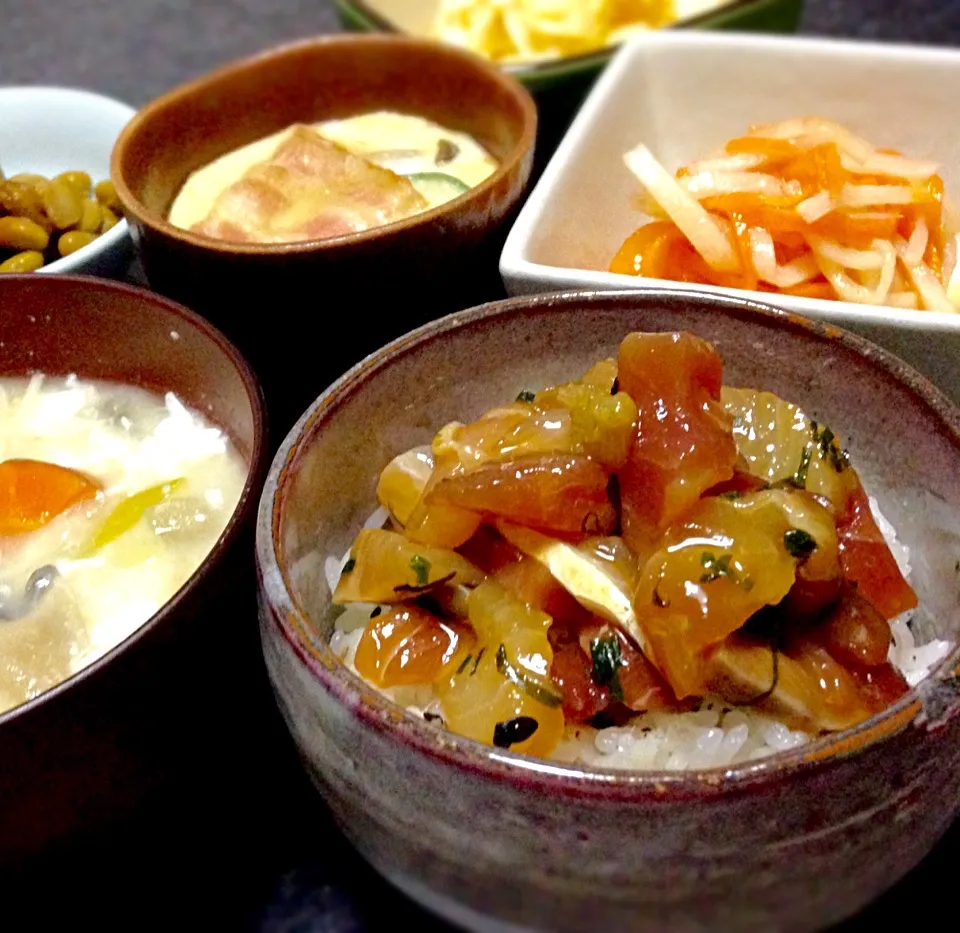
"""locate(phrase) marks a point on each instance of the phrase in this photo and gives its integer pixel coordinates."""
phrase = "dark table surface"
(252, 846)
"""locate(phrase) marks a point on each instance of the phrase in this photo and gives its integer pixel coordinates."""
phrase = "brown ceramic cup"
(305, 312)
(86, 754)
(497, 841)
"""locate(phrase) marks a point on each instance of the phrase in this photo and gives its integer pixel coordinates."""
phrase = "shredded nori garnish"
(613, 493)
(348, 566)
(376, 611)
(526, 396)
(799, 543)
(476, 663)
(615, 388)
(464, 663)
(514, 731)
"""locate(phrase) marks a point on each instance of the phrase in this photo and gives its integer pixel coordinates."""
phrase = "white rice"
(716, 735)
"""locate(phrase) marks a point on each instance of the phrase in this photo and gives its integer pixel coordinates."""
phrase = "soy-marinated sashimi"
(683, 443)
(639, 546)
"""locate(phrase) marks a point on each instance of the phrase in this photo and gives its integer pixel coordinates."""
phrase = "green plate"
(777, 16)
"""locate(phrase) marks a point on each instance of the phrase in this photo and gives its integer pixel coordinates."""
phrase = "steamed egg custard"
(110, 499)
(330, 179)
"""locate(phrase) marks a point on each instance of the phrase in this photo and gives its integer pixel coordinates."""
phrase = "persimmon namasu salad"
(803, 207)
(642, 568)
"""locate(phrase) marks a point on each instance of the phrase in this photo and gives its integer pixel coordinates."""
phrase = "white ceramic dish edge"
(97, 120)
(929, 341)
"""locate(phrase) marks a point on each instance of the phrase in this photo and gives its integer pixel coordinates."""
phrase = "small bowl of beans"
(58, 208)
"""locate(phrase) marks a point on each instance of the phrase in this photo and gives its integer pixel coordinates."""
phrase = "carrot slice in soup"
(33, 493)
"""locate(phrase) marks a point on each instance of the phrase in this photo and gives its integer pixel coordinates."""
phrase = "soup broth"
(110, 499)
(330, 179)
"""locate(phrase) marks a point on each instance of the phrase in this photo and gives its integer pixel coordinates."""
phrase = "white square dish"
(48, 130)
(684, 95)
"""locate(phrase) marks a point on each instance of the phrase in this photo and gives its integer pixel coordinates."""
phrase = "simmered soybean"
(43, 219)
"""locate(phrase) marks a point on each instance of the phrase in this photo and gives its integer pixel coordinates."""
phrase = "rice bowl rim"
(929, 705)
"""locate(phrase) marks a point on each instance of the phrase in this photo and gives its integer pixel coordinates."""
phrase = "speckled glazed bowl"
(498, 841)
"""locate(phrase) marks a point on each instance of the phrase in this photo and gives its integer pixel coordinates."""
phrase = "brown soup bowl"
(89, 753)
(495, 840)
(304, 312)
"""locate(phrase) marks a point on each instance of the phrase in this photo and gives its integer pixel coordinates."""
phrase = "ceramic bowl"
(89, 752)
(498, 841)
(685, 95)
(263, 296)
(48, 130)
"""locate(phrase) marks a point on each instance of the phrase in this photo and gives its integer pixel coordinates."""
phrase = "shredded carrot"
(772, 150)
(836, 224)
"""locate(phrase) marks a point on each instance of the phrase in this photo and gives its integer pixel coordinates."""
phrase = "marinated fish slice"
(594, 586)
(311, 188)
(747, 673)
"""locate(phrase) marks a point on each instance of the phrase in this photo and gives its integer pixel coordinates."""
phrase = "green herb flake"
(724, 566)
(799, 479)
(348, 567)
(798, 543)
(826, 442)
(464, 663)
(607, 661)
(530, 687)
(526, 396)
(421, 567)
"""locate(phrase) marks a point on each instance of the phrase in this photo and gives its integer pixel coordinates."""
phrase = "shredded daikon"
(805, 206)
(875, 195)
(765, 262)
(817, 206)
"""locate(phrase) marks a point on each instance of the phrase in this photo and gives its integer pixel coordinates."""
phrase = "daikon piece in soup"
(110, 499)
